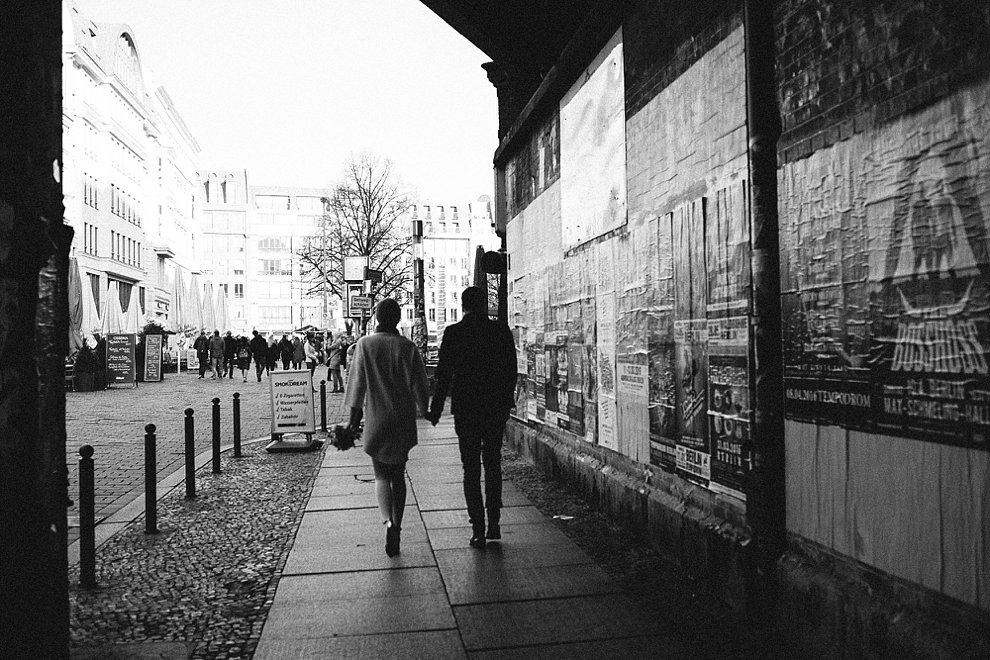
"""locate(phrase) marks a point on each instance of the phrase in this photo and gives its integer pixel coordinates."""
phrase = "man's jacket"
(477, 366)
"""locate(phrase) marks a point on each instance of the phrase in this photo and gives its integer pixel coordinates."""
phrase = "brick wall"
(844, 67)
(663, 38)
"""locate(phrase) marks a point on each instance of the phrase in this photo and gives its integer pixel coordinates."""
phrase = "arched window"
(126, 66)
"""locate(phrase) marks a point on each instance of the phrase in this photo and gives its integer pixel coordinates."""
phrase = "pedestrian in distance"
(229, 354)
(259, 352)
(298, 353)
(243, 356)
(202, 347)
(285, 351)
(386, 387)
(216, 354)
(335, 359)
(272, 363)
(477, 365)
(312, 354)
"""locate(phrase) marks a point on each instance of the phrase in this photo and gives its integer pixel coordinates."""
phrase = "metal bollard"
(150, 481)
(323, 406)
(87, 519)
(237, 425)
(190, 456)
(216, 435)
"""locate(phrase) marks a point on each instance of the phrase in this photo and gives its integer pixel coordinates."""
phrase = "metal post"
(150, 481)
(323, 406)
(216, 435)
(237, 425)
(87, 520)
(190, 456)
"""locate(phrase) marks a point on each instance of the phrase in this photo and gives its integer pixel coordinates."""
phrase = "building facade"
(252, 239)
(128, 169)
(451, 236)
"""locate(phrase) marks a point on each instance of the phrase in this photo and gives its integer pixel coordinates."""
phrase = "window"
(272, 202)
(276, 267)
(238, 290)
(433, 314)
(453, 314)
(308, 203)
(141, 299)
(409, 314)
(273, 243)
(94, 283)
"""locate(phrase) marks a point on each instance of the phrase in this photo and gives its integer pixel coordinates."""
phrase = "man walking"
(259, 351)
(477, 364)
(217, 348)
(202, 346)
(229, 354)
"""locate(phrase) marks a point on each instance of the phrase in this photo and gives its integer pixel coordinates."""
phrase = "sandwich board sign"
(291, 397)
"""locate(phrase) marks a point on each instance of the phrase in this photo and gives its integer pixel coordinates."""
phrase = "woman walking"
(387, 377)
(298, 353)
(243, 356)
(336, 353)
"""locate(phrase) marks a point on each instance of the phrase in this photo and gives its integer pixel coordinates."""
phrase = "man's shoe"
(478, 538)
(494, 533)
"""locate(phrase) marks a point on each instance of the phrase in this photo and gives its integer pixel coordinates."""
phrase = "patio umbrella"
(176, 313)
(75, 307)
(112, 318)
(209, 312)
(223, 312)
(194, 310)
(133, 319)
(91, 315)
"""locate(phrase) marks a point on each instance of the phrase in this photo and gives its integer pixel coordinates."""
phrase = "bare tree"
(363, 217)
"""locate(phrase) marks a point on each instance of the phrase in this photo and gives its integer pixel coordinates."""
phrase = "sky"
(290, 89)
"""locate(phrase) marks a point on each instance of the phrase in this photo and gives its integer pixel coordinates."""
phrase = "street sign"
(354, 268)
(361, 302)
(372, 275)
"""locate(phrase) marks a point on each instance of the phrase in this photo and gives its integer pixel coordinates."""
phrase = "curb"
(113, 524)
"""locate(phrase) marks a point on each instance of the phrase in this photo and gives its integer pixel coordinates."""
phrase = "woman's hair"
(388, 313)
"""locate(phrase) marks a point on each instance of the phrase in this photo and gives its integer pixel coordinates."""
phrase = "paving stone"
(498, 584)
(360, 584)
(516, 515)
(654, 647)
(552, 621)
(508, 556)
(357, 557)
(359, 616)
(428, 645)
(535, 534)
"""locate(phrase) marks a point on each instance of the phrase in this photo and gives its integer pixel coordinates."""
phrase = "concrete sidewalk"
(533, 593)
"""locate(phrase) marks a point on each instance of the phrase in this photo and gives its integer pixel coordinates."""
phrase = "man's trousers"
(480, 442)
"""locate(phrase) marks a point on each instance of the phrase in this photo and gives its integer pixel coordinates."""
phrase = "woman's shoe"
(391, 539)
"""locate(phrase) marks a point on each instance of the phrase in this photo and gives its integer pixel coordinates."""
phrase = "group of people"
(225, 354)
(387, 384)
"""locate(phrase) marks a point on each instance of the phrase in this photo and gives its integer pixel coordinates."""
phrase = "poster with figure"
(886, 279)
(662, 395)
(691, 375)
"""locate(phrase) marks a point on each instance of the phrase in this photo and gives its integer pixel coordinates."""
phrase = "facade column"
(34, 248)
(765, 510)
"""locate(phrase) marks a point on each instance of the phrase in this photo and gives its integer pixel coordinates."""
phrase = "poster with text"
(291, 398)
(691, 374)
(729, 407)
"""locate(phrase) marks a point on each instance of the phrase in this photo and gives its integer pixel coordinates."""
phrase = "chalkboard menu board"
(152, 358)
(120, 359)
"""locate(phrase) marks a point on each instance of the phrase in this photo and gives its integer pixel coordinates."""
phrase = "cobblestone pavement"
(202, 586)
(113, 422)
